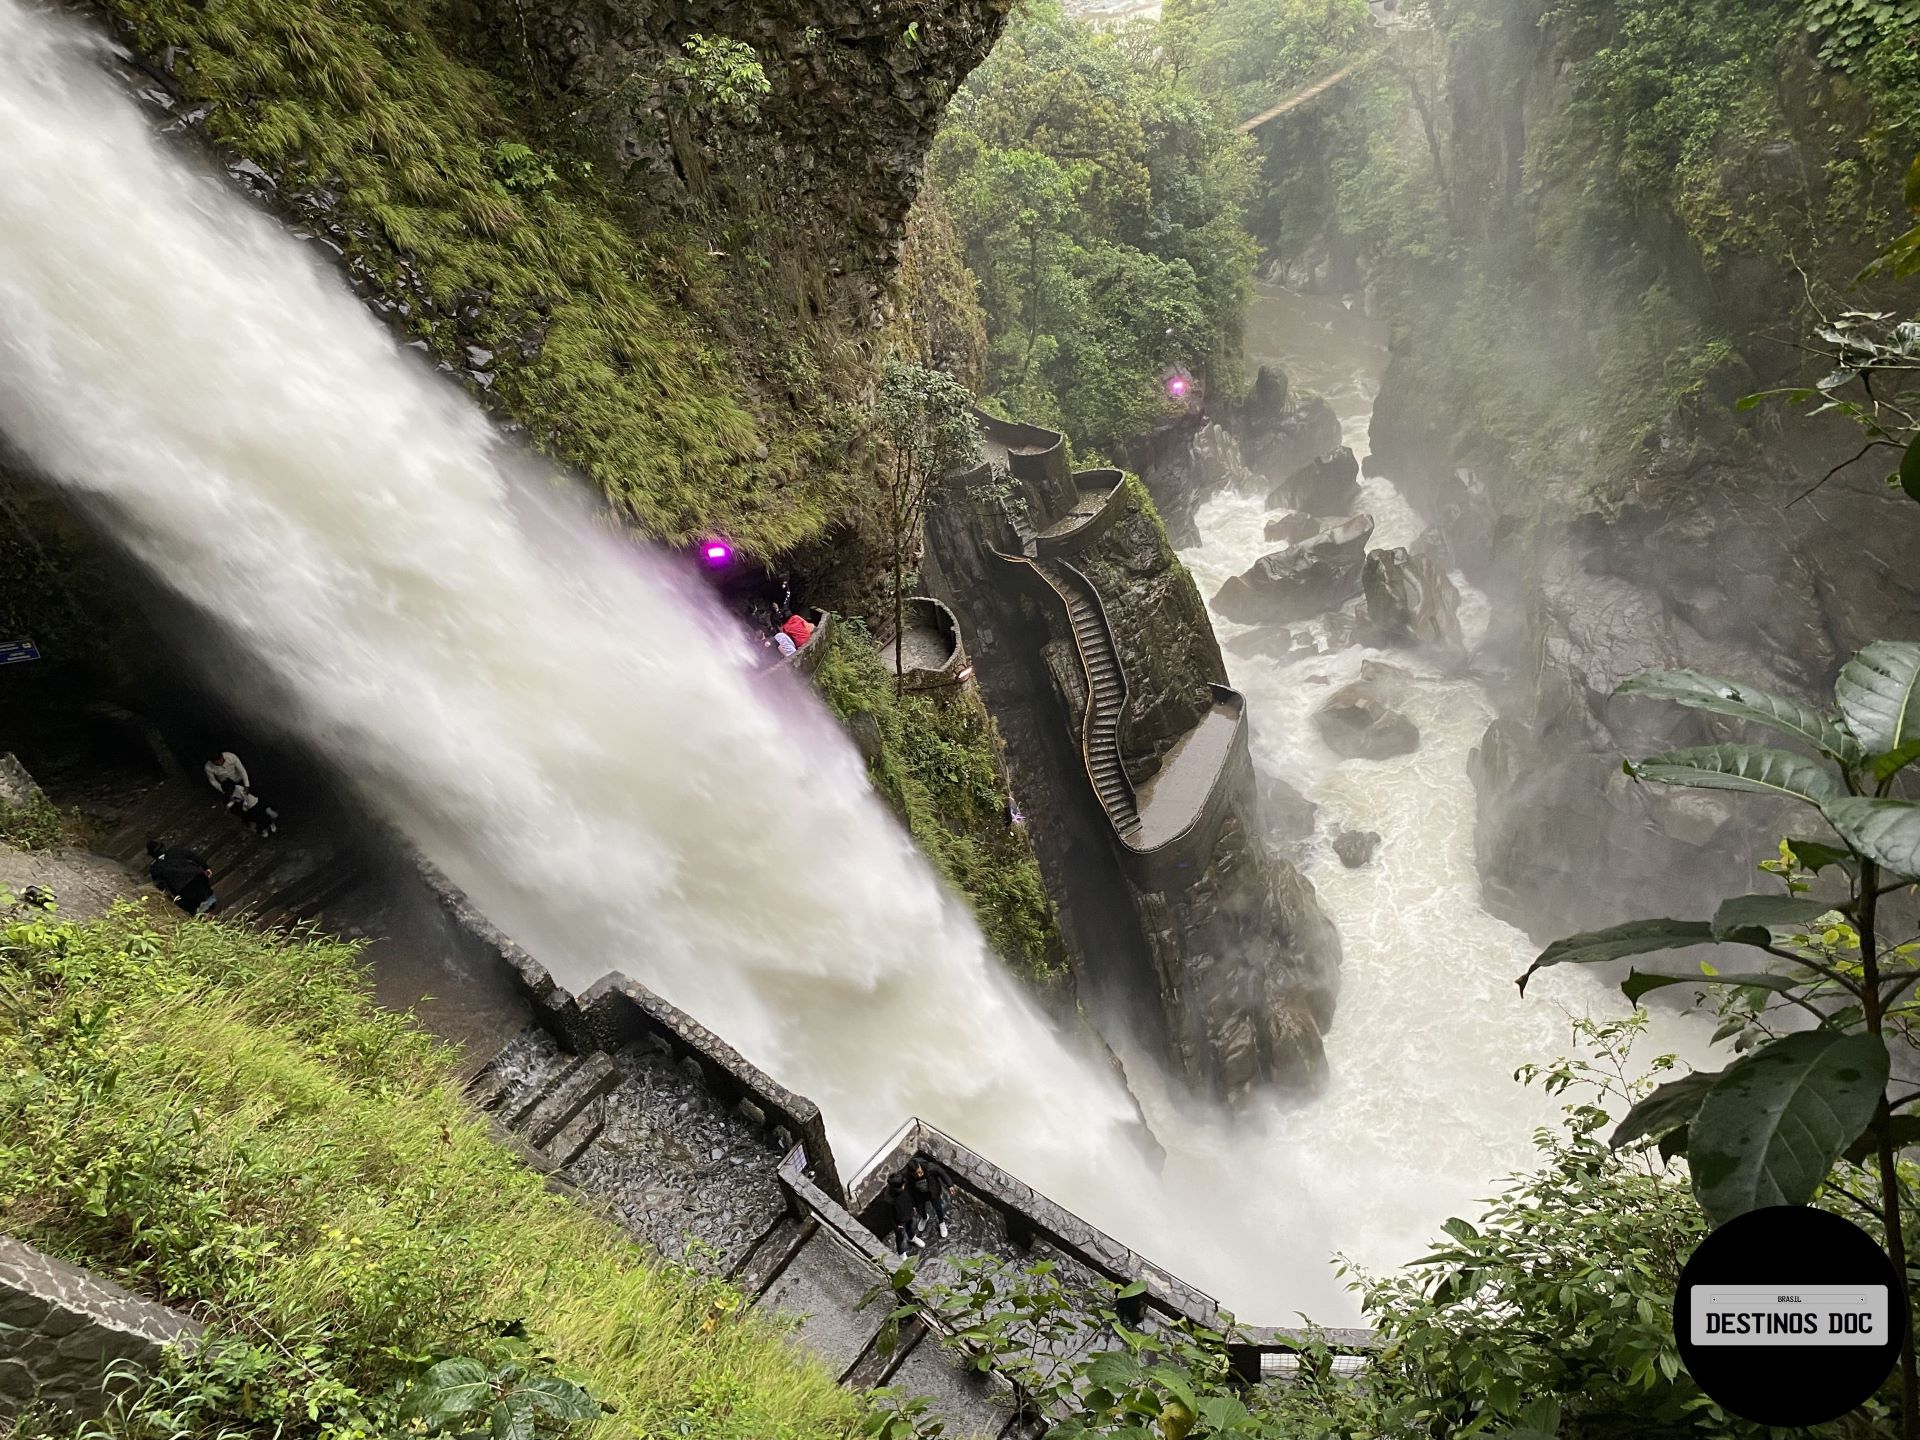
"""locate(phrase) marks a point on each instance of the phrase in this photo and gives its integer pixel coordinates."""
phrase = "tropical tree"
(926, 423)
(1770, 1128)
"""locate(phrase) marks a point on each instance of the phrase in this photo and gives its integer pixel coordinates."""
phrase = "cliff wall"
(1611, 222)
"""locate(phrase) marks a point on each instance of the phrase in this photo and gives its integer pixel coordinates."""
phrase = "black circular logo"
(1789, 1316)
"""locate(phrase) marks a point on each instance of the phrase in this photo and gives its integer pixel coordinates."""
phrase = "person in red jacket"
(797, 629)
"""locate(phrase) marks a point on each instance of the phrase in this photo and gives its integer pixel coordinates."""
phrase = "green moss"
(226, 1120)
(450, 200)
(939, 767)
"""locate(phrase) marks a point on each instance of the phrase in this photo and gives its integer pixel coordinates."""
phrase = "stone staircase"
(1106, 693)
(645, 1141)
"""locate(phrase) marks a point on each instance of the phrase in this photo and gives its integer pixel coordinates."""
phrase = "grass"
(610, 345)
(226, 1122)
(939, 767)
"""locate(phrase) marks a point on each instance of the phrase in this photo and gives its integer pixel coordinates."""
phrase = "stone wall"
(618, 1009)
(71, 1339)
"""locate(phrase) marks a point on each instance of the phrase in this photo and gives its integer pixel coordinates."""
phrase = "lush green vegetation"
(37, 825)
(226, 1120)
(626, 354)
(1771, 1127)
(1099, 197)
(1707, 167)
(937, 762)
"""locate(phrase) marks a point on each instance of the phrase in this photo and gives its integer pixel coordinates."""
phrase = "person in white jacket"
(224, 767)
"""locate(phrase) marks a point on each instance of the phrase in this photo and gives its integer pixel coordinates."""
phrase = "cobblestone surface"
(691, 1176)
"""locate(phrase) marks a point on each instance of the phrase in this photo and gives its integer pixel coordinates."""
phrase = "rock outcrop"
(1357, 723)
(834, 148)
(1411, 600)
(1203, 941)
(1307, 579)
(1326, 485)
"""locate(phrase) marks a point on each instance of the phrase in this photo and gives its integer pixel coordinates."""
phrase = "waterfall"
(577, 737)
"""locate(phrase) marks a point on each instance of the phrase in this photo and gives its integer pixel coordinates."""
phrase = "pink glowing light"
(717, 552)
(1177, 386)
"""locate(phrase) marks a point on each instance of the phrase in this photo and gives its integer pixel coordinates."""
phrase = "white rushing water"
(588, 750)
(1422, 1111)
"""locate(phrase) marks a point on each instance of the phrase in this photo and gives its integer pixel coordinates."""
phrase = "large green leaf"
(1666, 1109)
(1636, 937)
(1771, 1128)
(1887, 832)
(562, 1399)
(1743, 914)
(452, 1387)
(1728, 697)
(1752, 768)
(1879, 693)
(1817, 855)
(1639, 982)
(1910, 469)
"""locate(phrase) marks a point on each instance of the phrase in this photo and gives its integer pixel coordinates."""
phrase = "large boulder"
(1301, 581)
(1357, 723)
(1355, 847)
(1328, 485)
(1411, 600)
(1292, 529)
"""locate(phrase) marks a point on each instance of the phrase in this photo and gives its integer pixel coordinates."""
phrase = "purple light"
(717, 552)
(1177, 386)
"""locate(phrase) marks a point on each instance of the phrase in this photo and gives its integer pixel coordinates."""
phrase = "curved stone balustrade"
(1102, 497)
(1036, 458)
(932, 653)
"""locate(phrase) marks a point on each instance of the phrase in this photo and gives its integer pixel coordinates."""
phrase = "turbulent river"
(589, 750)
(1422, 1112)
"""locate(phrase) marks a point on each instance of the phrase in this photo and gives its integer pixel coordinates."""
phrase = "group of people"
(794, 631)
(917, 1198)
(227, 775)
(183, 875)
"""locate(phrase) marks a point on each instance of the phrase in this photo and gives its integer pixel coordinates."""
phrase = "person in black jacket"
(929, 1184)
(900, 1202)
(184, 876)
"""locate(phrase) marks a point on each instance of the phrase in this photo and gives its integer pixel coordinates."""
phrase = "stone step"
(519, 1109)
(584, 1082)
(771, 1253)
(578, 1134)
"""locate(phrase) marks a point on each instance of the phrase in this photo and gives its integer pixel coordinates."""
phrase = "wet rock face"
(1411, 600)
(1326, 485)
(1356, 847)
(1250, 969)
(1304, 580)
(837, 148)
(1357, 723)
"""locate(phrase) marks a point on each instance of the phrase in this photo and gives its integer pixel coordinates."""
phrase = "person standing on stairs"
(183, 876)
(930, 1184)
(905, 1214)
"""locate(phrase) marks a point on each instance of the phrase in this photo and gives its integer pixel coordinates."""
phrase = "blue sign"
(12, 652)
